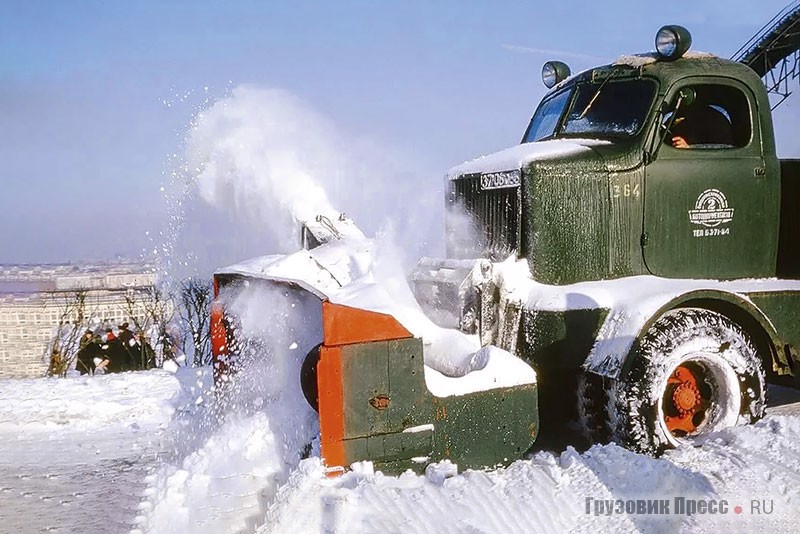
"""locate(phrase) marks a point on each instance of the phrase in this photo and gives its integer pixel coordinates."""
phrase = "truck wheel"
(592, 407)
(694, 372)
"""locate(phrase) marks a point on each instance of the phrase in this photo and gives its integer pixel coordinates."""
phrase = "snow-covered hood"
(523, 155)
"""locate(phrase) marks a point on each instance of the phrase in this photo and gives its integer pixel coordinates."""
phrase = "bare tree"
(65, 342)
(195, 299)
(151, 310)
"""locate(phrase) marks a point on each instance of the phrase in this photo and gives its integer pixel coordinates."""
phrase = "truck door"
(711, 209)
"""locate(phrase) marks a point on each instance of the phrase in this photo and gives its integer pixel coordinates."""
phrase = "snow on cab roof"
(640, 60)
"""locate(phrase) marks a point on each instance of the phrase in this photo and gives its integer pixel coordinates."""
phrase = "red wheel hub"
(684, 402)
(686, 398)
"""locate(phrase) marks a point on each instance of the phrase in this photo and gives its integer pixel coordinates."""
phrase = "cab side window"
(717, 118)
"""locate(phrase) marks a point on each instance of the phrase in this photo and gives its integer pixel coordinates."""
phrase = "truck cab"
(632, 203)
(645, 203)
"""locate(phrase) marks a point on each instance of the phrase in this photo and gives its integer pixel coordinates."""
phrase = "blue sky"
(85, 134)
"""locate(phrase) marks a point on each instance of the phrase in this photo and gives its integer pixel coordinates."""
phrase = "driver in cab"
(701, 126)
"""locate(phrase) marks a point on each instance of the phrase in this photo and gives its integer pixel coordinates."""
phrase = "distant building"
(33, 299)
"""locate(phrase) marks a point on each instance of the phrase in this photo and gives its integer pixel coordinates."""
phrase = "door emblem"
(711, 209)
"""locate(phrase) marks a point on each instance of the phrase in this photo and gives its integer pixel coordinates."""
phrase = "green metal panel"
(712, 213)
(399, 446)
(626, 196)
(365, 376)
(559, 339)
(407, 384)
(488, 428)
(582, 215)
(565, 219)
(414, 428)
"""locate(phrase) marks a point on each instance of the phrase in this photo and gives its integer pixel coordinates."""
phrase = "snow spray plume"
(264, 155)
(462, 232)
(260, 160)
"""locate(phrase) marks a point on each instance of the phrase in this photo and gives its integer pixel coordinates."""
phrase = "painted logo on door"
(711, 209)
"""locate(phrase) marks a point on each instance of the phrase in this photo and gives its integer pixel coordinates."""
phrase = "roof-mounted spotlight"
(672, 42)
(554, 72)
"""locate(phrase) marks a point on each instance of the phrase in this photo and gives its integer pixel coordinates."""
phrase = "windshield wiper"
(596, 94)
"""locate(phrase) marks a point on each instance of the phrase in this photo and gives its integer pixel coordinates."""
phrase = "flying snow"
(264, 154)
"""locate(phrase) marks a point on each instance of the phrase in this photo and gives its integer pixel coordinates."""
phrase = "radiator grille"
(492, 214)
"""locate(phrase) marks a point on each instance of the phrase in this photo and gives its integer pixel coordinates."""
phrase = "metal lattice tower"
(774, 53)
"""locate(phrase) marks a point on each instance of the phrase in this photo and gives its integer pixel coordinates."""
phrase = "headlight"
(672, 42)
(554, 72)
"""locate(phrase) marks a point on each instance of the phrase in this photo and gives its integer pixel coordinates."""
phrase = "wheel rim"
(700, 395)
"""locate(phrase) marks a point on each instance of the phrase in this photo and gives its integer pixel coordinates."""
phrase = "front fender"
(624, 326)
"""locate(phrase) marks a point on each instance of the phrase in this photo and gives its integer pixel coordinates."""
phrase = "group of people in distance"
(113, 352)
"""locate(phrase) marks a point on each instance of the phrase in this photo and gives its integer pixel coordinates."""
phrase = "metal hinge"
(645, 239)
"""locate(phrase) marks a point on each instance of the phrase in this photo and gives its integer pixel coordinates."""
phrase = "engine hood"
(521, 156)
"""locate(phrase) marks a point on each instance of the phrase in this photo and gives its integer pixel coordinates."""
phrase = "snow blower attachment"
(367, 380)
(365, 373)
(374, 403)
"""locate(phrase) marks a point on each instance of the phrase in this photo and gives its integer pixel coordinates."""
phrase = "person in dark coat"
(88, 350)
(114, 352)
(131, 347)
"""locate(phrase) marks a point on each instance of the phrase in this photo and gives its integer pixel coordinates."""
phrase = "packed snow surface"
(193, 464)
(75, 452)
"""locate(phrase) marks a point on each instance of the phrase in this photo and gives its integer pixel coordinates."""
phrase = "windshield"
(615, 109)
(544, 122)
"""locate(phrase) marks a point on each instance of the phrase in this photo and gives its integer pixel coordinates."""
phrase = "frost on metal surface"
(631, 302)
(521, 155)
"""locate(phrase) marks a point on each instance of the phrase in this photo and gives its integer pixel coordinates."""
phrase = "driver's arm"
(679, 142)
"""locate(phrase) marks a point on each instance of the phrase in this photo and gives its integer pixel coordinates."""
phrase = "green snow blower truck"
(637, 257)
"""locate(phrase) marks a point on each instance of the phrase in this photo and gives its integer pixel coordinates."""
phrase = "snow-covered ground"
(74, 452)
(155, 452)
